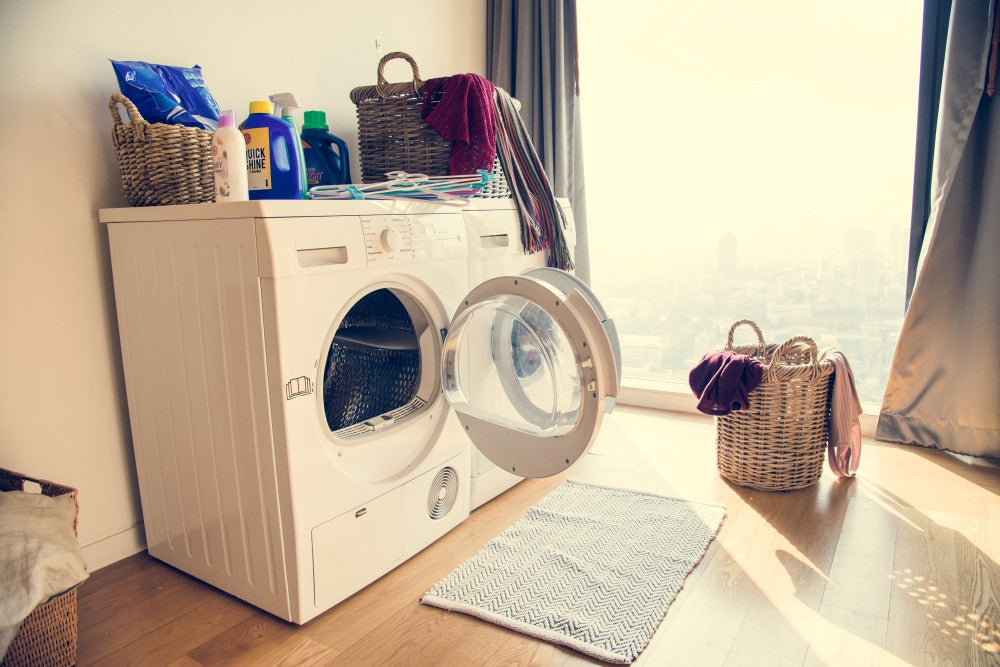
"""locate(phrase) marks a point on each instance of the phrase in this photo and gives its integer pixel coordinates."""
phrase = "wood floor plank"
(143, 615)
(520, 650)
(99, 580)
(704, 630)
(296, 651)
(239, 644)
(854, 611)
(929, 594)
(425, 635)
(987, 625)
(800, 537)
(116, 596)
(860, 577)
(182, 634)
(843, 636)
(979, 626)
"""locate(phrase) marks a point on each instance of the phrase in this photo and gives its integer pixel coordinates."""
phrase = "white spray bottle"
(285, 107)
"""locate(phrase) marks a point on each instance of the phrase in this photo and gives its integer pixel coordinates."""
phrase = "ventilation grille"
(443, 493)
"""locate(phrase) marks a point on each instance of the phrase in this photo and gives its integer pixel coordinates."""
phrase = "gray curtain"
(932, 50)
(531, 53)
(944, 385)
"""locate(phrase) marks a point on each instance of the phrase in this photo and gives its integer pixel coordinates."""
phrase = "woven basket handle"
(133, 113)
(761, 346)
(797, 341)
(382, 86)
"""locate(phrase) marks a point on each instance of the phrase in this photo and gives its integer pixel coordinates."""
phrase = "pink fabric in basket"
(844, 447)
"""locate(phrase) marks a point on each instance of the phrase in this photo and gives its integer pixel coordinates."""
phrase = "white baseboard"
(113, 548)
(666, 396)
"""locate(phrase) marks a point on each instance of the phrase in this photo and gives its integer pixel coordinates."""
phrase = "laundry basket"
(392, 134)
(161, 164)
(47, 637)
(779, 442)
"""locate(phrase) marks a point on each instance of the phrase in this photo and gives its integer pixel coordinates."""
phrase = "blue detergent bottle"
(324, 165)
(273, 169)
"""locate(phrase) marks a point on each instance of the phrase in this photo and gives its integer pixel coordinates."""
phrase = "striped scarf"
(542, 220)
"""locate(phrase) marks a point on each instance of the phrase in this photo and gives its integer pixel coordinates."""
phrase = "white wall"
(63, 414)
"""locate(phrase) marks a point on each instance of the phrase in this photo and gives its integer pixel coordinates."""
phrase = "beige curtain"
(944, 385)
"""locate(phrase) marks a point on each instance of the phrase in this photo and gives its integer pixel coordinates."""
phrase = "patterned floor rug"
(590, 567)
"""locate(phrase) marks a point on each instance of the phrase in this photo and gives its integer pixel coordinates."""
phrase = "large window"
(750, 160)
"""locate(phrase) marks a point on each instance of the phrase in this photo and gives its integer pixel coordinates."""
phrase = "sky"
(782, 121)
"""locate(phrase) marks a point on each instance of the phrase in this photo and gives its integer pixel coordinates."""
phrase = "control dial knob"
(390, 238)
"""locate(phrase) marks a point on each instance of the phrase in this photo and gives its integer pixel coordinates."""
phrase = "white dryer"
(289, 367)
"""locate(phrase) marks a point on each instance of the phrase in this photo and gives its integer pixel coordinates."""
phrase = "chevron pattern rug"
(590, 567)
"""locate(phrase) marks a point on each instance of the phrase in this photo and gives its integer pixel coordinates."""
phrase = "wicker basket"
(161, 164)
(779, 442)
(47, 637)
(392, 134)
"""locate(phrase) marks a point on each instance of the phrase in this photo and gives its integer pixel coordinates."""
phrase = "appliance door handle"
(494, 240)
(322, 256)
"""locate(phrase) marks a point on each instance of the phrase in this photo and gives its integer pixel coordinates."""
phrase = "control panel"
(391, 239)
(388, 237)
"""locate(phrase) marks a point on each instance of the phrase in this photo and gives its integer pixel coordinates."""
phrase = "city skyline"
(854, 302)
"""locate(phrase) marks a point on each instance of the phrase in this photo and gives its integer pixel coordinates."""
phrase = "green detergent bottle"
(324, 165)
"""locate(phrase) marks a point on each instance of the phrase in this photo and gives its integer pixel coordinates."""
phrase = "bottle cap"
(226, 118)
(260, 106)
(314, 120)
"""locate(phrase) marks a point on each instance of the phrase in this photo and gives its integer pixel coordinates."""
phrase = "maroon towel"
(466, 117)
(722, 380)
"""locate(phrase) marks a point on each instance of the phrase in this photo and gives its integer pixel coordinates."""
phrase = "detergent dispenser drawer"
(357, 547)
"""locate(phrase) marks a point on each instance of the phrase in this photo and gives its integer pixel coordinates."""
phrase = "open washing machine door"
(530, 364)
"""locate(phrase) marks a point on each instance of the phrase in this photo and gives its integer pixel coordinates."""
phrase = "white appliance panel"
(357, 547)
(193, 353)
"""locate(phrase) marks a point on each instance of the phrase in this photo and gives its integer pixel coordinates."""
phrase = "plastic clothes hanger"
(453, 190)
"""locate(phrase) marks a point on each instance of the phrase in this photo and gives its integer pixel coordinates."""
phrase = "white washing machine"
(496, 249)
(289, 367)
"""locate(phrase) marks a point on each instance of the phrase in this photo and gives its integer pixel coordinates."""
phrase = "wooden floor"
(898, 566)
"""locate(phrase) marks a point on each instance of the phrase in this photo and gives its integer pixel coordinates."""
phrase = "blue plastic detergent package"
(165, 94)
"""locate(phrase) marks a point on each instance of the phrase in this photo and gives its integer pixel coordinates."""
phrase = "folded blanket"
(39, 555)
(722, 381)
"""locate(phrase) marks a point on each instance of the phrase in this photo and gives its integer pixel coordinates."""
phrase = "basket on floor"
(161, 164)
(48, 635)
(392, 134)
(779, 442)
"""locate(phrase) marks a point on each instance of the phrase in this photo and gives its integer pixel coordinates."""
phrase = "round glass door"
(527, 365)
(524, 377)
